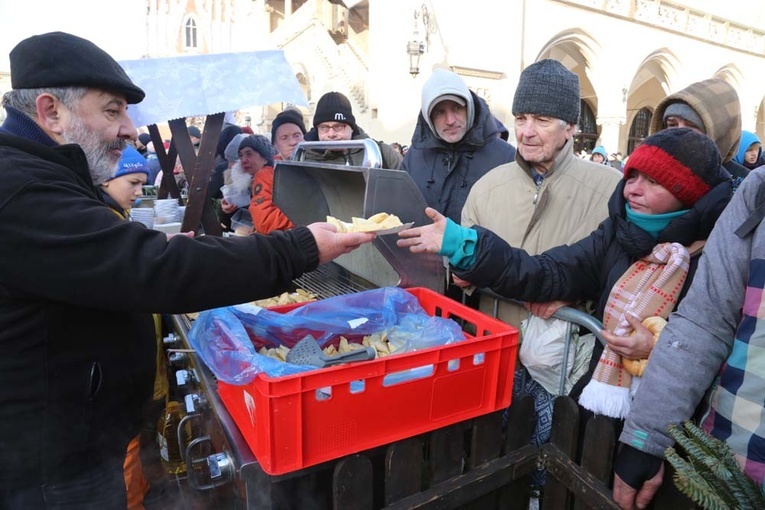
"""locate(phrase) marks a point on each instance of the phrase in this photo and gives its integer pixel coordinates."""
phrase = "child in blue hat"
(122, 190)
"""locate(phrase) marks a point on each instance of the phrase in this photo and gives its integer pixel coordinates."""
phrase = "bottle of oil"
(167, 437)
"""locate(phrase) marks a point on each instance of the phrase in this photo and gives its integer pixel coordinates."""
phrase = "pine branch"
(690, 483)
(711, 476)
(748, 494)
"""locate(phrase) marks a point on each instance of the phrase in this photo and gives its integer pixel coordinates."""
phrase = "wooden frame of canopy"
(197, 166)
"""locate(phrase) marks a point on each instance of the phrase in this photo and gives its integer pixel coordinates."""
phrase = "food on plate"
(636, 367)
(379, 221)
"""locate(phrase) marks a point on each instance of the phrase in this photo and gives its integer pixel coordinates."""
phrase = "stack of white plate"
(166, 211)
(144, 215)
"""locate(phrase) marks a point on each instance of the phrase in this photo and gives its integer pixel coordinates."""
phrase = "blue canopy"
(192, 86)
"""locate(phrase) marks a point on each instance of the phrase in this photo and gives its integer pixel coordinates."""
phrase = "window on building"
(588, 129)
(639, 129)
(190, 40)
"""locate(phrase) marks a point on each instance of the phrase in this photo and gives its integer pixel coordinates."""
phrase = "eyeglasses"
(337, 128)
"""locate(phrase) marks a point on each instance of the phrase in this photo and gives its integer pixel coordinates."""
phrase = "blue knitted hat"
(131, 163)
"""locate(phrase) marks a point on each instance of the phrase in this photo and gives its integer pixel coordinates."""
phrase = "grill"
(219, 458)
(332, 280)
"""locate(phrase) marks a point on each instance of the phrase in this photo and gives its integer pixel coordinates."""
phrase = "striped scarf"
(650, 287)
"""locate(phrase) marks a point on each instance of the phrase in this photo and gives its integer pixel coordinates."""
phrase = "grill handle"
(372, 155)
(220, 466)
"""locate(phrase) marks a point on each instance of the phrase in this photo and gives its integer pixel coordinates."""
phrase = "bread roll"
(636, 367)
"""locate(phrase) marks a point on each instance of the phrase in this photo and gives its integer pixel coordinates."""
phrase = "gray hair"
(25, 100)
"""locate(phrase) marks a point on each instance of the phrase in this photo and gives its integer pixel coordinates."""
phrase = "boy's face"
(126, 189)
(750, 156)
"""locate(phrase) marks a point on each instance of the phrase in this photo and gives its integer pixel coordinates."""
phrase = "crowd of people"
(676, 233)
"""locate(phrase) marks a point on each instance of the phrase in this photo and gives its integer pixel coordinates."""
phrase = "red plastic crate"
(297, 421)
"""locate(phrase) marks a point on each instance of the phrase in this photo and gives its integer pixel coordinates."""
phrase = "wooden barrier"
(478, 464)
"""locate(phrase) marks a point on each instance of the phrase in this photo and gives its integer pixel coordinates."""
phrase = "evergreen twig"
(710, 476)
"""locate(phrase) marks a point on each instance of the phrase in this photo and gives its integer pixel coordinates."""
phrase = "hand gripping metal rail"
(565, 313)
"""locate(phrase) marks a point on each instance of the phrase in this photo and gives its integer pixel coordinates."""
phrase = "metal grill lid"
(308, 191)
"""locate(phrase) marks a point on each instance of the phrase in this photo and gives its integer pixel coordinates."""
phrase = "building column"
(610, 131)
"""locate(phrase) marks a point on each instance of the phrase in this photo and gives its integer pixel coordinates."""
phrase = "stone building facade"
(629, 54)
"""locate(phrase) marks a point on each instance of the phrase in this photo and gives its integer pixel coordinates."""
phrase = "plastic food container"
(237, 197)
(241, 223)
(301, 420)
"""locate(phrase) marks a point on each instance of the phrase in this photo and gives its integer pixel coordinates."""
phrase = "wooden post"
(352, 483)
(403, 469)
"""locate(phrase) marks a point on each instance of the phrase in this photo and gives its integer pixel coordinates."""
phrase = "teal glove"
(459, 245)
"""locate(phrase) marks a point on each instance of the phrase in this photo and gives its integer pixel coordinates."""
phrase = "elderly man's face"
(540, 139)
(450, 120)
(101, 126)
(287, 136)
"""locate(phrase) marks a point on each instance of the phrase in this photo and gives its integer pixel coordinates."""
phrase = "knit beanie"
(261, 145)
(226, 135)
(600, 150)
(684, 111)
(685, 162)
(131, 162)
(333, 106)
(288, 116)
(548, 88)
(144, 138)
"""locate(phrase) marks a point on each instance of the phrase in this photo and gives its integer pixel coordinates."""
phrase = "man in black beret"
(78, 283)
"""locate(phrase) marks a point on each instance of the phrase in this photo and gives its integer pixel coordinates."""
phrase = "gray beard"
(101, 162)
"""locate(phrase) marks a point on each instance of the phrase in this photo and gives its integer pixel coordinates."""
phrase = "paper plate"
(393, 230)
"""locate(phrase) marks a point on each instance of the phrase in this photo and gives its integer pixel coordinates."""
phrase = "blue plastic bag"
(227, 339)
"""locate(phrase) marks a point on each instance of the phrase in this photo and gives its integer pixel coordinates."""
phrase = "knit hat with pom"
(685, 162)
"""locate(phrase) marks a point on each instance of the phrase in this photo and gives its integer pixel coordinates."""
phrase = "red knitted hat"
(685, 162)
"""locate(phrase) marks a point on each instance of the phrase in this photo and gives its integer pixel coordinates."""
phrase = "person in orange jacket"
(256, 156)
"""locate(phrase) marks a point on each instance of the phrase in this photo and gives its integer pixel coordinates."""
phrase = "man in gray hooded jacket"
(454, 143)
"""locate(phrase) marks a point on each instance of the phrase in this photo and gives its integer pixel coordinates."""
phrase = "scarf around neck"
(650, 287)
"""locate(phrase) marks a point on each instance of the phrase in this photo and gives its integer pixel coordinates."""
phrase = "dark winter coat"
(445, 172)
(77, 289)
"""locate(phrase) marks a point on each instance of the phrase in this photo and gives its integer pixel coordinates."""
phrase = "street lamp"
(415, 47)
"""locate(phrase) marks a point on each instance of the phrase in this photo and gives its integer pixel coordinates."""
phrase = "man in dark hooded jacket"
(454, 144)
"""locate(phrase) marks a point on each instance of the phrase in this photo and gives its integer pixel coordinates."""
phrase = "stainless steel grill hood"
(309, 191)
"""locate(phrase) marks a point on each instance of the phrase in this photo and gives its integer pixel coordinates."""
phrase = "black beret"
(57, 59)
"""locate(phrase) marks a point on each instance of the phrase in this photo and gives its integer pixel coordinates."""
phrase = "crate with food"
(295, 416)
